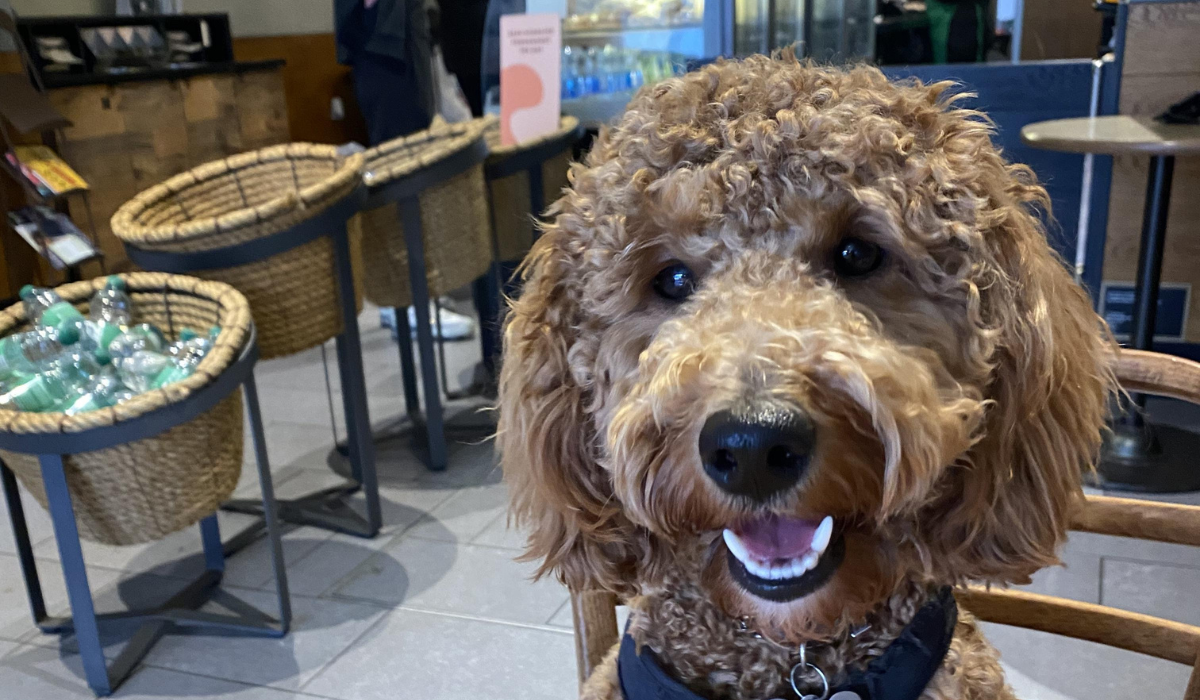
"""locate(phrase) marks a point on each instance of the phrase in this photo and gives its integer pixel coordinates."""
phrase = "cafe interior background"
(424, 596)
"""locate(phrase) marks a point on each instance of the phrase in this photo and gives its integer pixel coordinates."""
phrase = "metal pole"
(210, 535)
(16, 513)
(1149, 269)
(410, 213)
(1014, 47)
(83, 611)
(1085, 189)
(270, 516)
(354, 388)
(408, 365)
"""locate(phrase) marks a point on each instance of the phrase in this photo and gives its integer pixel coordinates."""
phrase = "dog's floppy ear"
(546, 436)
(1014, 494)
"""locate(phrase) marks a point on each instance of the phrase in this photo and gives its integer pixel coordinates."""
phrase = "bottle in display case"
(613, 47)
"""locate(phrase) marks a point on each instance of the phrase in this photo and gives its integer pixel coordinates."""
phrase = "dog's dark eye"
(675, 282)
(855, 257)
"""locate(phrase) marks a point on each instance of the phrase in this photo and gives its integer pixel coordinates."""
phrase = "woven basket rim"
(447, 138)
(348, 170)
(566, 123)
(227, 348)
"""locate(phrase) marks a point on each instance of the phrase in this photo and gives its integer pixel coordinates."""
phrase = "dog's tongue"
(777, 537)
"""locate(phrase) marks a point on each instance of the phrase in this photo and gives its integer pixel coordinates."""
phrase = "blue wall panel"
(1016, 95)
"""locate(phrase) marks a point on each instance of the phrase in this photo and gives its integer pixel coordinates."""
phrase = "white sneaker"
(455, 326)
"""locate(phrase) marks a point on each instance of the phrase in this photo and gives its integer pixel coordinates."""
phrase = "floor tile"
(1078, 578)
(321, 630)
(500, 533)
(35, 673)
(464, 515)
(1134, 549)
(310, 406)
(177, 554)
(471, 458)
(402, 502)
(1162, 590)
(39, 673)
(248, 485)
(37, 521)
(463, 579)
(128, 592)
(253, 567)
(151, 682)
(321, 569)
(294, 444)
(563, 618)
(1085, 671)
(450, 658)
(381, 363)
(330, 562)
(1026, 688)
(16, 621)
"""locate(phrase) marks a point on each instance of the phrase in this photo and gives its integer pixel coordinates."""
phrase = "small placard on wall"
(1170, 322)
(530, 56)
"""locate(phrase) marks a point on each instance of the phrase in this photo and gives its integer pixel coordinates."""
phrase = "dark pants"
(388, 95)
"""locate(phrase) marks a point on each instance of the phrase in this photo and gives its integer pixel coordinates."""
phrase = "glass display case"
(613, 47)
(672, 26)
(825, 30)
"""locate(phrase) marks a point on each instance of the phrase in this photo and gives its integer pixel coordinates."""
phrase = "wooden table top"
(1114, 135)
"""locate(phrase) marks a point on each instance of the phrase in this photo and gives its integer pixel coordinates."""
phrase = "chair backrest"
(594, 614)
(1138, 371)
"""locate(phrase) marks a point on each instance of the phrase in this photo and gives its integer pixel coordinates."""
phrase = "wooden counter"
(134, 133)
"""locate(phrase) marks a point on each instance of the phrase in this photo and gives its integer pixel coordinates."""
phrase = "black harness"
(901, 673)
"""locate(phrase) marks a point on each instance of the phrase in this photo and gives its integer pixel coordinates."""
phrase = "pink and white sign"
(530, 52)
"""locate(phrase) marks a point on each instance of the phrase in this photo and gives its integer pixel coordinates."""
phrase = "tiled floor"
(436, 607)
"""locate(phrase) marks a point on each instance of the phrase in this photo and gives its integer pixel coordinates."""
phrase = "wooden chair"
(1138, 371)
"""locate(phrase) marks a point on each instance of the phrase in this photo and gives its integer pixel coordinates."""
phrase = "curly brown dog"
(793, 357)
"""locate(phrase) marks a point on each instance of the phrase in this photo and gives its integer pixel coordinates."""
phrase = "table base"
(1149, 458)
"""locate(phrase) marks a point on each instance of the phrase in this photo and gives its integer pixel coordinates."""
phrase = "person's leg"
(386, 89)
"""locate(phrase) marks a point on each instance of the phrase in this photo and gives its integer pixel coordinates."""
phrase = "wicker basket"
(510, 195)
(144, 490)
(294, 294)
(454, 220)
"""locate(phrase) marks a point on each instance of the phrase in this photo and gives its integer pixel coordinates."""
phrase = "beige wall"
(61, 7)
(248, 17)
(270, 17)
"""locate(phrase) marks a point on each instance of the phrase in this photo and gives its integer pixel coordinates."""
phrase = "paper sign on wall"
(530, 51)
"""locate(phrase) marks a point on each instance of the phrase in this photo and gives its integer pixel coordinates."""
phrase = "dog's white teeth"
(734, 543)
(821, 537)
(781, 569)
(809, 562)
(758, 569)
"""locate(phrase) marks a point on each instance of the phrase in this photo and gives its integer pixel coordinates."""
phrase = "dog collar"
(901, 673)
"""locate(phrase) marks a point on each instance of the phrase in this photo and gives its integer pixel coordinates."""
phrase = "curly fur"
(959, 391)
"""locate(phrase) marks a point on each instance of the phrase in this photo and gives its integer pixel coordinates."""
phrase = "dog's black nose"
(757, 453)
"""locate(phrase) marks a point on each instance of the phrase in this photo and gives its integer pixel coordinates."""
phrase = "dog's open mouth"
(781, 559)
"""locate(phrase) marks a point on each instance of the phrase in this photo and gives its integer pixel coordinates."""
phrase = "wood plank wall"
(311, 78)
(169, 134)
(1161, 67)
(131, 136)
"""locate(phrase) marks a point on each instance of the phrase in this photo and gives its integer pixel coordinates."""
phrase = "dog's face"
(795, 333)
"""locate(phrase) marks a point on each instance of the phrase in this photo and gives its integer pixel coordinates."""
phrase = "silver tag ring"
(804, 666)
